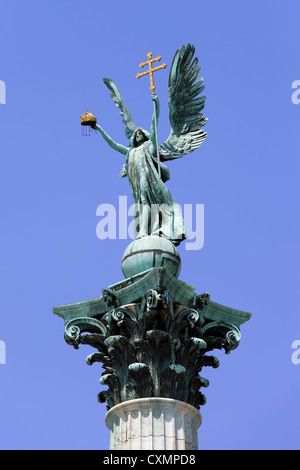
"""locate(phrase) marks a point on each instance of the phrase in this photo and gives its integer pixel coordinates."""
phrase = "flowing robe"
(156, 212)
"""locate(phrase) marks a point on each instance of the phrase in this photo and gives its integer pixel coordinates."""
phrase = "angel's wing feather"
(185, 106)
(117, 97)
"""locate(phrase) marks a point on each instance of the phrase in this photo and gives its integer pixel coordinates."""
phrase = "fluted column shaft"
(153, 424)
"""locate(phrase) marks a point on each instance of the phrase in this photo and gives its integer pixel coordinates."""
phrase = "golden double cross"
(151, 70)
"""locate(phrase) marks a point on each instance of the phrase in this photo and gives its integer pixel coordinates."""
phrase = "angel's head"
(139, 137)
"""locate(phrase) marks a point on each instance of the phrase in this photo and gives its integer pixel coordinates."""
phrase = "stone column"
(153, 424)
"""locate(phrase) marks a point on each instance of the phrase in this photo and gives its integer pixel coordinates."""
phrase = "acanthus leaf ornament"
(154, 346)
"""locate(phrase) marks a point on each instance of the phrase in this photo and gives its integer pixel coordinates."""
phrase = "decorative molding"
(157, 344)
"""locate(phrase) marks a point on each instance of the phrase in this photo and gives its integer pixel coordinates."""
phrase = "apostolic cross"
(151, 70)
(152, 88)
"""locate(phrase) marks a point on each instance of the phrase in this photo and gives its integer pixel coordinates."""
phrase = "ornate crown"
(87, 119)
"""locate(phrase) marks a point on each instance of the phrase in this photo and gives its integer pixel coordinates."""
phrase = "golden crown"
(87, 119)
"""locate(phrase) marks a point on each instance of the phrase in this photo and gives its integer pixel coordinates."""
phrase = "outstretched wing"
(117, 97)
(185, 106)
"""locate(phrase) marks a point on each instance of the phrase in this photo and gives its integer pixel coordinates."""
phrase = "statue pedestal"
(150, 252)
(153, 424)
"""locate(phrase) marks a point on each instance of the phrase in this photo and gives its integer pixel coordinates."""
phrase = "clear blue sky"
(53, 57)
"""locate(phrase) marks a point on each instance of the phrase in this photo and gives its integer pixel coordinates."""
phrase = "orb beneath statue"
(149, 252)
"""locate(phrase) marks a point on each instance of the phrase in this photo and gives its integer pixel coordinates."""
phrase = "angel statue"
(157, 212)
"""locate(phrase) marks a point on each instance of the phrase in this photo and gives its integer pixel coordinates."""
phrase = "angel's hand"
(154, 97)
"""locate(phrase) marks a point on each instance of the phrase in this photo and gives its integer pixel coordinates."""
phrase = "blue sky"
(53, 57)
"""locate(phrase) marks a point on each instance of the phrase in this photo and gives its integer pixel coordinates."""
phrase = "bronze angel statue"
(157, 213)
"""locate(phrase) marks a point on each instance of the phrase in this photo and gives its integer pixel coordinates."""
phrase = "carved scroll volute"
(121, 315)
(74, 329)
(228, 335)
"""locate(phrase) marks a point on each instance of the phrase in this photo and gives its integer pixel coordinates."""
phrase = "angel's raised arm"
(153, 129)
(119, 147)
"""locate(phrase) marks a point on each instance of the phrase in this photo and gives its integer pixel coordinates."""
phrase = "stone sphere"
(149, 252)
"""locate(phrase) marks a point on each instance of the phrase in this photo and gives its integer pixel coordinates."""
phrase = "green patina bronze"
(143, 167)
(152, 332)
(150, 251)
